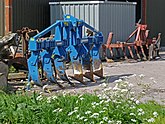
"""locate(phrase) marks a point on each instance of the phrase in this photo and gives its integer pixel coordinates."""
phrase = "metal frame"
(68, 42)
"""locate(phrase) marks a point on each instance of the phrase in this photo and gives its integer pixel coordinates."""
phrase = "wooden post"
(8, 15)
(144, 11)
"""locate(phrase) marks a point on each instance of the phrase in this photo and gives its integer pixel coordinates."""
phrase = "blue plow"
(68, 44)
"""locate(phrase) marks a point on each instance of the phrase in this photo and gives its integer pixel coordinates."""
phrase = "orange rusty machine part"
(145, 48)
(19, 59)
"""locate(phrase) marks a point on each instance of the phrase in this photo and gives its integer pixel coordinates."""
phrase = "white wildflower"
(132, 93)
(105, 108)
(85, 120)
(88, 112)
(155, 82)
(141, 113)
(116, 88)
(57, 110)
(81, 118)
(104, 85)
(39, 98)
(108, 89)
(132, 107)
(101, 102)
(130, 85)
(54, 97)
(41, 93)
(101, 111)
(81, 98)
(95, 115)
(76, 101)
(132, 114)
(64, 94)
(151, 120)
(134, 75)
(78, 116)
(141, 75)
(118, 122)
(114, 101)
(105, 118)
(151, 78)
(137, 102)
(143, 93)
(60, 110)
(97, 104)
(124, 90)
(140, 110)
(110, 122)
(133, 120)
(132, 99)
(155, 114)
(49, 100)
(117, 81)
(93, 103)
(124, 77)
(107, 101)
(76, 108)
(101, 122)
(45, 87)
(70, 113)
(94, 106)
(99, 95)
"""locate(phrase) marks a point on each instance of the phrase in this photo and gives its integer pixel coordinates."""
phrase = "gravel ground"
(146, 76)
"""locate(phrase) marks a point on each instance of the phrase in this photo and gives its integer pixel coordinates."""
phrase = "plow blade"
(47, 67)
(60, 70)
(59, 56)
(88, 70)
(33, 69)
(78, 72)
(98, 68)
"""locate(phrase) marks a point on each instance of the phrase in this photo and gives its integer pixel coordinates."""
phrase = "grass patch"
(77, 109)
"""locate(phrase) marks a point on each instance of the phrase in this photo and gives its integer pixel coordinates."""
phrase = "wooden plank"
(16, 76)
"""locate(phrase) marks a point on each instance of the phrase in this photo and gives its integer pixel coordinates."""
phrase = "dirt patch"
(147, 78)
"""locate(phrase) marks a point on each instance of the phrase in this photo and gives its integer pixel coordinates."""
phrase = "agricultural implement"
(6, 42)
(68, 44)
(20, 51)
(14, 52)
(143, 47)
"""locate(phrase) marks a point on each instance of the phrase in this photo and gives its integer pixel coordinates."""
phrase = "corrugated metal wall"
(2, 18)
(32, 13)
(85, 11)
(118, 17)
(156, 18)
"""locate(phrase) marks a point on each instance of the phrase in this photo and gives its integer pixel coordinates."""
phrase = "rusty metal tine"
(111, 51)
(124, 52)
(147, 33)
(110, 37)
(137, 52)
(143, 52)
(138, 34)
(130, 51)
(118, 52)
(131, 35)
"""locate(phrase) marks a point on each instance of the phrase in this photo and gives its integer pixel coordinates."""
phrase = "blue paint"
(68, 42)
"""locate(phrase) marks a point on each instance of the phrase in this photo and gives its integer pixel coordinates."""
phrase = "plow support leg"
(47, 66)
(76, 63)
(33, 68)
(97, 64)
(59, 62)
